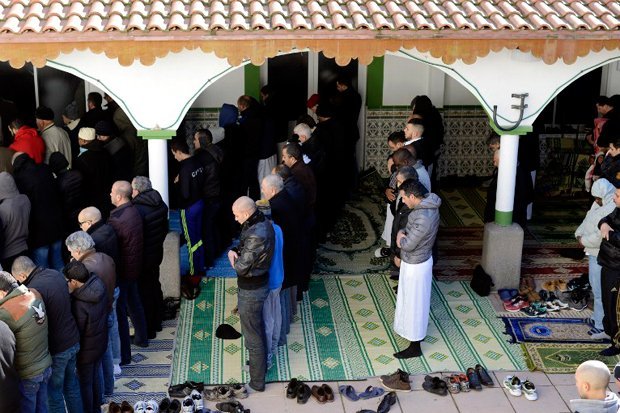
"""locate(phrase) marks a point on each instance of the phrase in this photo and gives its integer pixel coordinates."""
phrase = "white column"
(158, 166)
(506, 178)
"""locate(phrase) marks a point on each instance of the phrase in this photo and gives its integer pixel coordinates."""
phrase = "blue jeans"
(594, 276)
(106, 375)
(88, 374)
(63, 386)
(49, 256)
(250, 305)
(287, 316)
(113, 337)
(129, 303)
(272, 316)
(34, 392)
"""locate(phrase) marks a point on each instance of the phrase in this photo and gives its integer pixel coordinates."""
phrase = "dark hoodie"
(37, 182)
(154, 212)
(96, 167)
(70, 184)
(89, 305)
(14, 216)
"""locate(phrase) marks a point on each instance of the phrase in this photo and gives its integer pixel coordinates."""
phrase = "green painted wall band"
(503, 218)
(374, 83)
(157, 134)
(520, 130)
(251, 76)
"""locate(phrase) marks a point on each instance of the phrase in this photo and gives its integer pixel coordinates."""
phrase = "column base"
(170, 268)
(502, 249)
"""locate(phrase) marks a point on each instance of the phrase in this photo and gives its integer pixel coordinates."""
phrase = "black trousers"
(610, 282)
(152, 299)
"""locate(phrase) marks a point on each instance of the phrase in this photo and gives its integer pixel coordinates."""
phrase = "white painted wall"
(406, 78)
(610, 84)
(226, 90)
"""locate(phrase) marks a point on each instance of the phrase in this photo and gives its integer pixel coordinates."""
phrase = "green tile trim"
(521, 130)
(503, 218)
(157, 134)
(374, 83)
(252, 80)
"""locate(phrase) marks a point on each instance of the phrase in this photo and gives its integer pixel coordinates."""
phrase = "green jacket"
(24, 312)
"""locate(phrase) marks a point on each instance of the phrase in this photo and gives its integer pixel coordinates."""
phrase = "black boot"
(413, 350)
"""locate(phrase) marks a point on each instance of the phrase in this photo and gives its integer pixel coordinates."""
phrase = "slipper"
(561, 285)
(371, 392)
(550, 285)
(349, 392)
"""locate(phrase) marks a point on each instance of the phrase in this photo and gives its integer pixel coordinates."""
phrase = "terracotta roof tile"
(65, 16)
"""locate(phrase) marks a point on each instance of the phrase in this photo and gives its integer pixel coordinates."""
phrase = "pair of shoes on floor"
(507, 294)
(226, 393)
(297, 389)
(323, 393)
(385, 404)
(169, 406)
(580, 283)
(382, 252)
(516, 388)
(478, 376)
(231, 407)
(551, 301)
(350, 393)
(193, 403)
(397, 381)
(435, 385)
(535, 309)
(555, 285)
(457, 383)
(150, 406)
(185, 389)
(578, 299)
(516, 304)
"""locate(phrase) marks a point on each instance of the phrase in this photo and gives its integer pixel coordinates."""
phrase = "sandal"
(349, 392)
(371, 392)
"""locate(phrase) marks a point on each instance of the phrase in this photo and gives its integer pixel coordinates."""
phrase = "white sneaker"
(600, 335)
(139, 407)
(188, 405)
(529, 390)
(152, 406)
(513, 385)
(197, 398)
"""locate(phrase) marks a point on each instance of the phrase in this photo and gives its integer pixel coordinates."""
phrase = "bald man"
(251, 260)
(106, 242)
(592, 381)
(127, 223)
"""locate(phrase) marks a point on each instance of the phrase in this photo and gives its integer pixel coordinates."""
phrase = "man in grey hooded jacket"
(592, 379)
(14, 216)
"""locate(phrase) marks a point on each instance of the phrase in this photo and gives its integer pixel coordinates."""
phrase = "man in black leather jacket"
(251, 260)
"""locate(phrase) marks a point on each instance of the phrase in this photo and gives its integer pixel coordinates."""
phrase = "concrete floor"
(554, 393)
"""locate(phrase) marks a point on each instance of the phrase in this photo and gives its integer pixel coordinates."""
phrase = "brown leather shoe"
(319, 394)
(114, 408)
(126, 407)
(329, 393)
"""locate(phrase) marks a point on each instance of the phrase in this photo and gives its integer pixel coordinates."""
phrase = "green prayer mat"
(343, 331)
(563, 357)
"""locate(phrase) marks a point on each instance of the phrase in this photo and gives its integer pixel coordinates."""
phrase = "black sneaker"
(610, 351)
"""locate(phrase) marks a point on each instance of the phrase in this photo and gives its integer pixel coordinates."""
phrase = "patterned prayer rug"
(549, 330)
(148, 374)
(343, 331)
(563, 357)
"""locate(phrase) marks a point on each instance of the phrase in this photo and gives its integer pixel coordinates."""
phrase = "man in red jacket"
(27, 140)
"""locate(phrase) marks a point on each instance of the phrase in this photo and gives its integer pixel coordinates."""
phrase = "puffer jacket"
(14, 217)
(38, 183)
(25, 314)
(422, 225)
(102, 266)
(51, 284)
(588, 230)
(255, 249)
(105, 239)
(154, 213)
(127, 224)
(609, 253)
(29, 141)
(89, 305)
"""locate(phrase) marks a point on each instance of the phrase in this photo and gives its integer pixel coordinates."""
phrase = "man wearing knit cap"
(56, 139)
(118, 150)
(71, 120)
